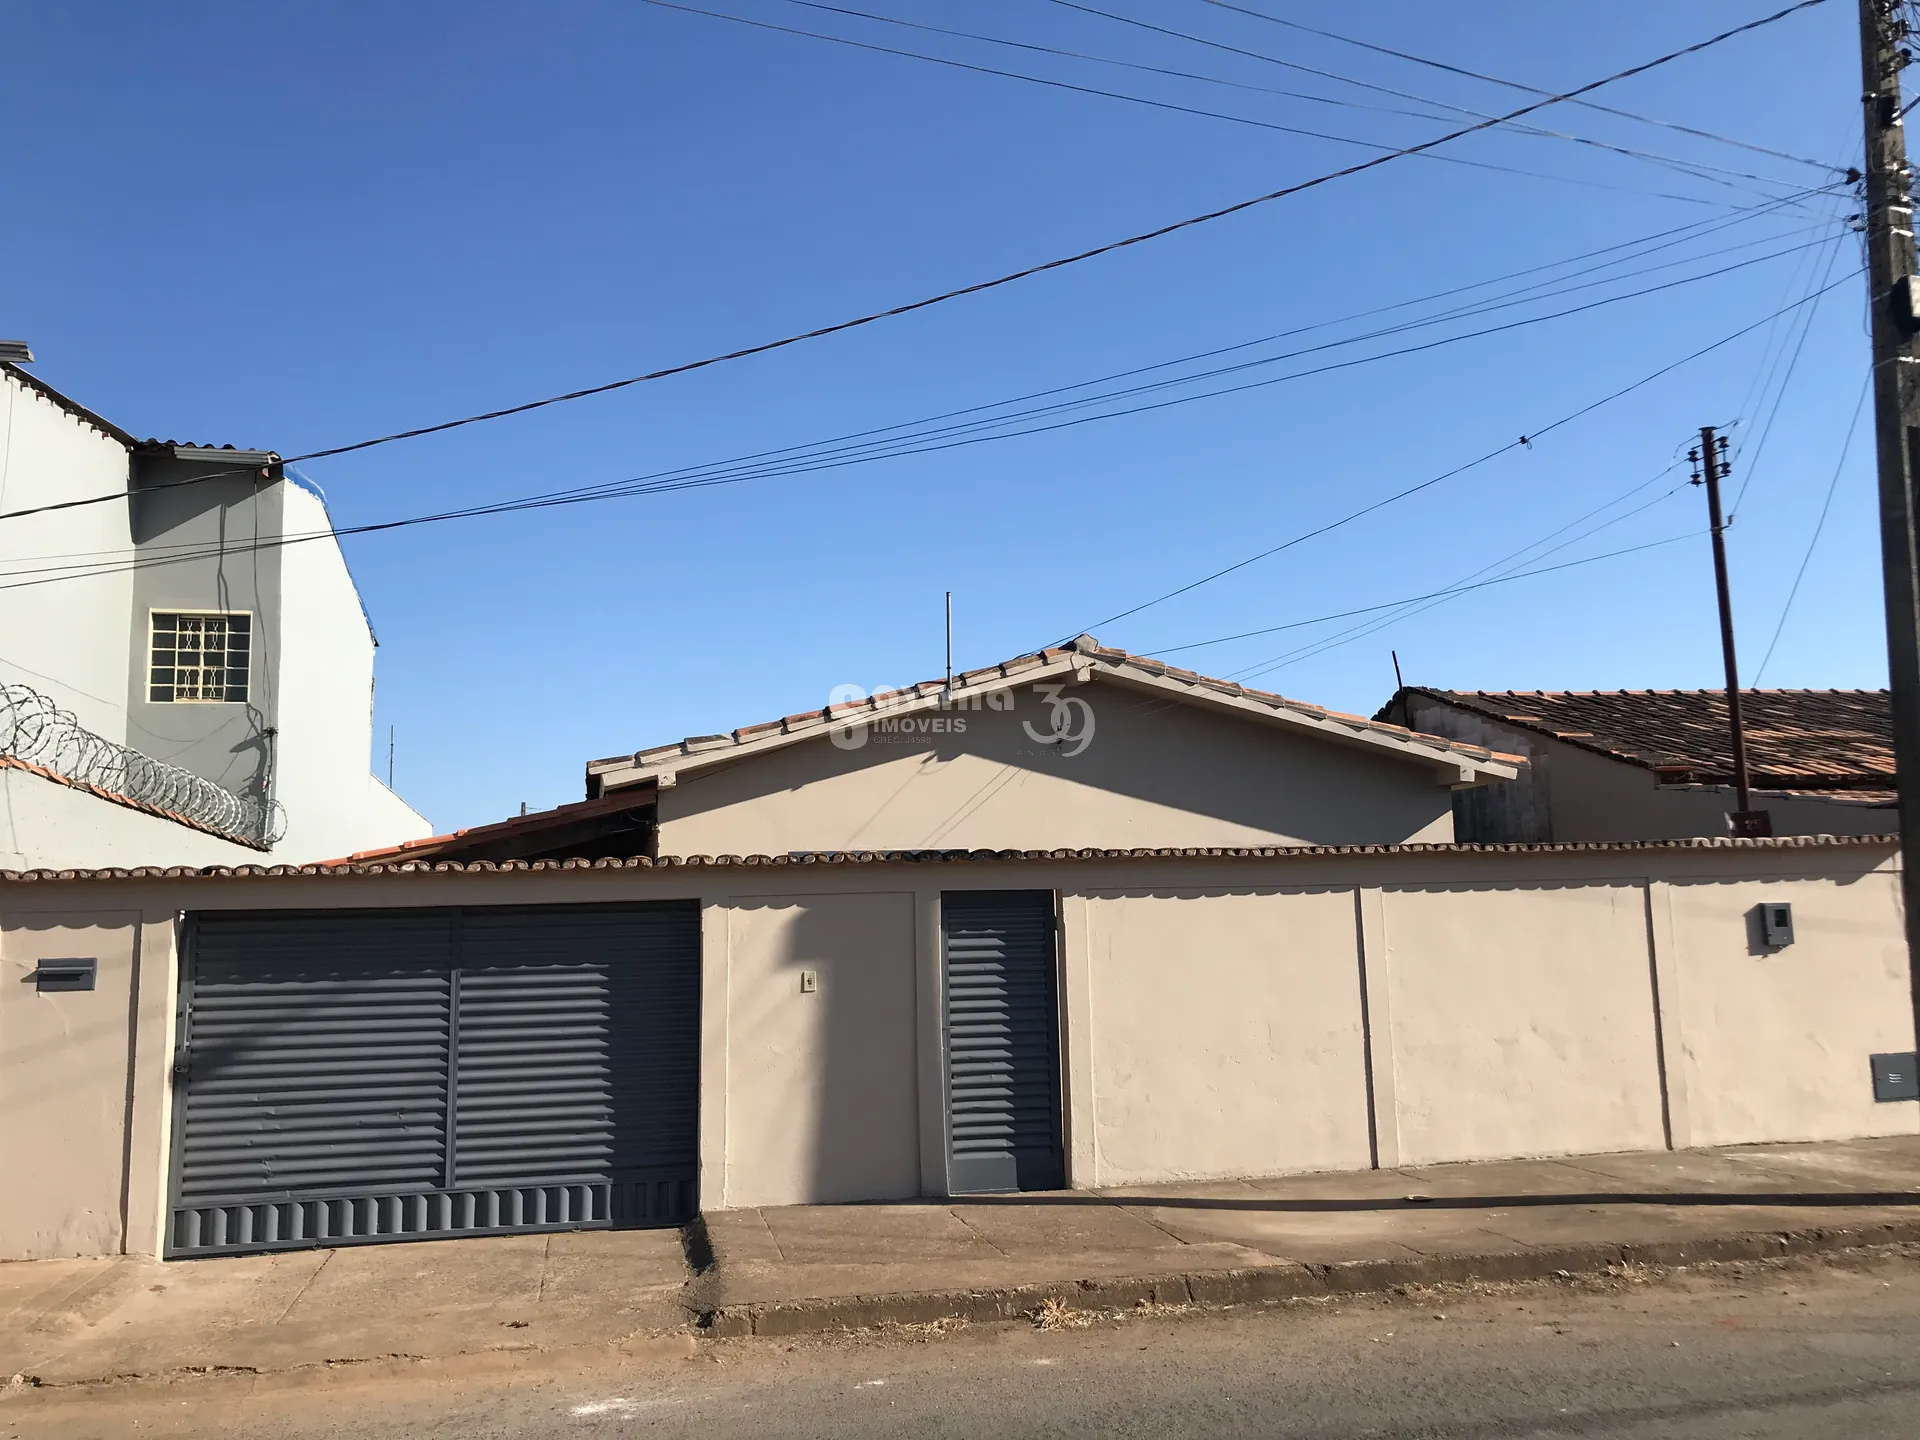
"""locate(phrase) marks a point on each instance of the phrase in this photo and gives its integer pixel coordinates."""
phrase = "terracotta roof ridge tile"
(1083, 648)
(336, 869)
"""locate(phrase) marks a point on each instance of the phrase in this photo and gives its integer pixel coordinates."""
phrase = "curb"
(1283, 1280)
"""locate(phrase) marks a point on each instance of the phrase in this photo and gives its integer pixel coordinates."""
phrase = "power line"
(1027, 272)
(1515, 85)
(1428, 484)
(1814, 539)
(1110, 60)
(1359, 632)
(1689, 168)
(1780, 395)
(647, 486)
(1447, 594)
(1697, 169)
(1645, 245)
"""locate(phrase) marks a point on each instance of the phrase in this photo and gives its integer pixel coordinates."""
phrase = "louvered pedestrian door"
(355, 1076)
(1003, 1041)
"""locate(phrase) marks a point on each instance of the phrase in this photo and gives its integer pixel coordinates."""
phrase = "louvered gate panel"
(392, 1074)
(315, 1067)
(579, 1052)
(1003, 1049)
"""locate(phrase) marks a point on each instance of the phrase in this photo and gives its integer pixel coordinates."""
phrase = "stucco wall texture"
(1158, 773)
(1220, 1016)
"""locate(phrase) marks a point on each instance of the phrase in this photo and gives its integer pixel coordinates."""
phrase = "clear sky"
(297, 226)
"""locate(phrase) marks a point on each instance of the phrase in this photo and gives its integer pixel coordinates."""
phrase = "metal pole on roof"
(947, 694)
(1709, 470)
(1893, 309)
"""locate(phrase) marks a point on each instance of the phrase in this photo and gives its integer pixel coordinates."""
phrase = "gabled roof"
(72, 407)
(1796, 739)
(477, 839)
(197, 450)
(1084, 658)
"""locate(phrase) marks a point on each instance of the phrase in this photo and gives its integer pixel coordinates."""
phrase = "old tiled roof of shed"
(1796, 739)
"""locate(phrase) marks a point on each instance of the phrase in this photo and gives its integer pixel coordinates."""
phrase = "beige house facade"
(1079, 920)
(1215, 1014)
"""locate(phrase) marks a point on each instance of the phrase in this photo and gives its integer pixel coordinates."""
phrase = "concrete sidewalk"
(809, 1268)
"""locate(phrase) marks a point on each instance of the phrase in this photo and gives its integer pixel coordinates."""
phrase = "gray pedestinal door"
(1003, 1041)
(345, 1077)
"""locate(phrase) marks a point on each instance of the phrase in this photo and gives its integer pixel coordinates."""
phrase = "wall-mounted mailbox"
(1776, 924)
(65, 974)
(1896, 1076)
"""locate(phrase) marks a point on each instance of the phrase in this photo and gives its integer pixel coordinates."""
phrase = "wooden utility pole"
(1710, 471)
(1895, 326)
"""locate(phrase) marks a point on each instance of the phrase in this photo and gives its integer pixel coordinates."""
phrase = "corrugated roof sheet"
(1796, 739)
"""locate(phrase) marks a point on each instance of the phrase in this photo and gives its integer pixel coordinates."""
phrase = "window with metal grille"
(199, 657)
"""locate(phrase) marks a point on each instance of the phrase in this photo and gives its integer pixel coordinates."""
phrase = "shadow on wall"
(824, 1020)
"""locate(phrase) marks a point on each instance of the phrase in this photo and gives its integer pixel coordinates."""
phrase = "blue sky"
(294, 227)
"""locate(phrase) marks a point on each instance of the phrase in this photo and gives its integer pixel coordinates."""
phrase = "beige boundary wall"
(1221, 1015)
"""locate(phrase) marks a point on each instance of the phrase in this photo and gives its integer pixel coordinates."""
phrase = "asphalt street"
(1806, 1350)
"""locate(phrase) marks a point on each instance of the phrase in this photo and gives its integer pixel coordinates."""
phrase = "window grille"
(199, 657)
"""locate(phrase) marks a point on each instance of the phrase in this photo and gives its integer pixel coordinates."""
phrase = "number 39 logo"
(1071, 719)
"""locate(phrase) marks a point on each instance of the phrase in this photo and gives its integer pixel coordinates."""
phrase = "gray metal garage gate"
(351, 1076)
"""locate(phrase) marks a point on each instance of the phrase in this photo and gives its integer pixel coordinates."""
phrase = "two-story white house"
(186, 671)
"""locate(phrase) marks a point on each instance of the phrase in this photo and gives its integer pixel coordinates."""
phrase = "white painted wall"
(47, 825)
(334, 805)
(80, 643)
(68, 640)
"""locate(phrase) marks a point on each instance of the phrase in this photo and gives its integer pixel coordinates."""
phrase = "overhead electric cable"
(1698, 169)
(1645, 245)
(1695, 171)
(1525, 89)
(1447, 594)
(1766, 430)
(1814, 539)
(1349, 518)
(643, 486)
(1061, 262)
(1114, 61)
(1466, 583)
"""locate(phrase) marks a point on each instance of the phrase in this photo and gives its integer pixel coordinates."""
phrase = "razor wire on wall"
(34, 729)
